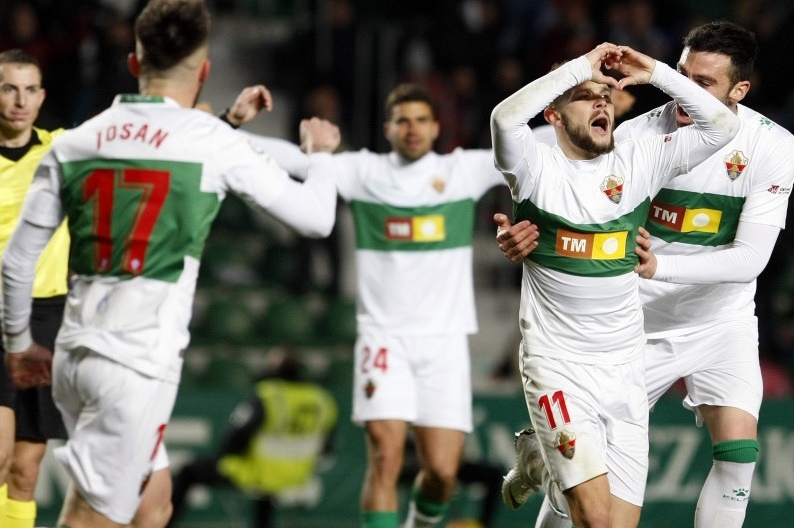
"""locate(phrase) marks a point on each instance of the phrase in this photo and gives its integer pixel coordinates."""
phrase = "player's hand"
(635, 66)
(515, 241)
(604, 56)
(647, 266)
(319, 135)
(31, 368)
(249, 103)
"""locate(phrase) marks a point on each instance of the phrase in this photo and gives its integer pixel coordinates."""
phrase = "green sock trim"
(740, 451)
(380, 519)
(426, 507)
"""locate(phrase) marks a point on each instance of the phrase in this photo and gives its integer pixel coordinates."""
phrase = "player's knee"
(23, 475)
(444, 474)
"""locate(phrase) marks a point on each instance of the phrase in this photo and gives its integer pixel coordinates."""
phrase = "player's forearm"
(716, 123)
(743, 262)
(288, 155)
(509, 118)
(310, 207)
(19, 266)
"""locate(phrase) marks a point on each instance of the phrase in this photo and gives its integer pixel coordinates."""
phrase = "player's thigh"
(384, 387)
(591, 420)
(119, 429)
(442, 369)
(724, 367)
(567, 418)
(662, 368)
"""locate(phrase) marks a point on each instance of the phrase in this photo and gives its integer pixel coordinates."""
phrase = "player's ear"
(205, 70)
(552, 116)
(133, 65)
(738, 92)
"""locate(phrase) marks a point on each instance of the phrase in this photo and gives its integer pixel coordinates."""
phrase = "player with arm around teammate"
(712, 235)
(580, 314)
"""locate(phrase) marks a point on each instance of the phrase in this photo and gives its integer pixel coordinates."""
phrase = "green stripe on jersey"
(136, 217)
(586, 250)
(702, 219)
(385, 227)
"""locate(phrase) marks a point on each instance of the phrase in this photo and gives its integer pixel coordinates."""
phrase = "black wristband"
(225, 119)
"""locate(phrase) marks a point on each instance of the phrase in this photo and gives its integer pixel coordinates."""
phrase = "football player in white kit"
(413, 211)
(712, 235)
(140, 184)
(580, 317)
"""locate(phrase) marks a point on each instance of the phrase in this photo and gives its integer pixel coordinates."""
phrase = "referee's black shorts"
(37, 418)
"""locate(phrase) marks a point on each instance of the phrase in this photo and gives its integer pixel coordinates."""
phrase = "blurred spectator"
(272, 444)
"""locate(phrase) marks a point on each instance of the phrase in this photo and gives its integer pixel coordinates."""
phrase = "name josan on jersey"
(145, 216)
(383, 227)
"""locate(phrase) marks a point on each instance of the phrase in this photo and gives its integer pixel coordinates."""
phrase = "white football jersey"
(141, 184)
(749, 179)
(414, 224)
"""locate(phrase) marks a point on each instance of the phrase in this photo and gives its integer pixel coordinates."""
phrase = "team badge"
(565, 442)
(735, 163)
(369, 389)
(439, 184)
(612, 187)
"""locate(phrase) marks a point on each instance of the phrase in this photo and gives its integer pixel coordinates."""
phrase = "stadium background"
(262, 288)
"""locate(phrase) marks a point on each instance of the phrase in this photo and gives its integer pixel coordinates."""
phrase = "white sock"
(723, 499)
(547, 518)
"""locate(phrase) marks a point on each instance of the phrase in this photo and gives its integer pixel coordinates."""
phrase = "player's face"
(21, 97)
(588, 118)
(411, 129)
(711, 71)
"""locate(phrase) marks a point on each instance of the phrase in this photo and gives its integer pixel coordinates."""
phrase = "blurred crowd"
(337, 59)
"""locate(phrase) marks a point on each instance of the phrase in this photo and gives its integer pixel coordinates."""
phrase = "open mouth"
(600, 124)
(681, 116)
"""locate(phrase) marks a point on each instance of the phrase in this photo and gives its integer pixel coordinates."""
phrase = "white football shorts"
(423, 380)
(590, 420)
(116, 419)
(718, 363)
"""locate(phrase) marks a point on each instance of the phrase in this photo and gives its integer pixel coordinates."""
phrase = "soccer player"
(413, 211)
(580, 316)
(140, 184)
(712, 234)
(28, 418)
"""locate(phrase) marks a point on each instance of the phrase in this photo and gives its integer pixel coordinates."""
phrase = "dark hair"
(169, 31)
(18, 56)
(407, 93)
(726, 38)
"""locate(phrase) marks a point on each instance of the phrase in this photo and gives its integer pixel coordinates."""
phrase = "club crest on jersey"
(735, 163)
(612, 187)
(369, 389)
(565, 442)
(438, 183)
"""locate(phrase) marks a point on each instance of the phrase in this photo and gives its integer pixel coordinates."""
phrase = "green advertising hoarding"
(679, 462)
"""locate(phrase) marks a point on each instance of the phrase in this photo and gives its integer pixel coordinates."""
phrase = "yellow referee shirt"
(15, 179)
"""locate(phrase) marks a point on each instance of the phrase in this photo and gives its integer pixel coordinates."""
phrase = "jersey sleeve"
(742, 262)
(768, 200)
(483, 174)
(41, 215)
(308, 207)
(675, 153)
(288, 155)
(513, 141)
